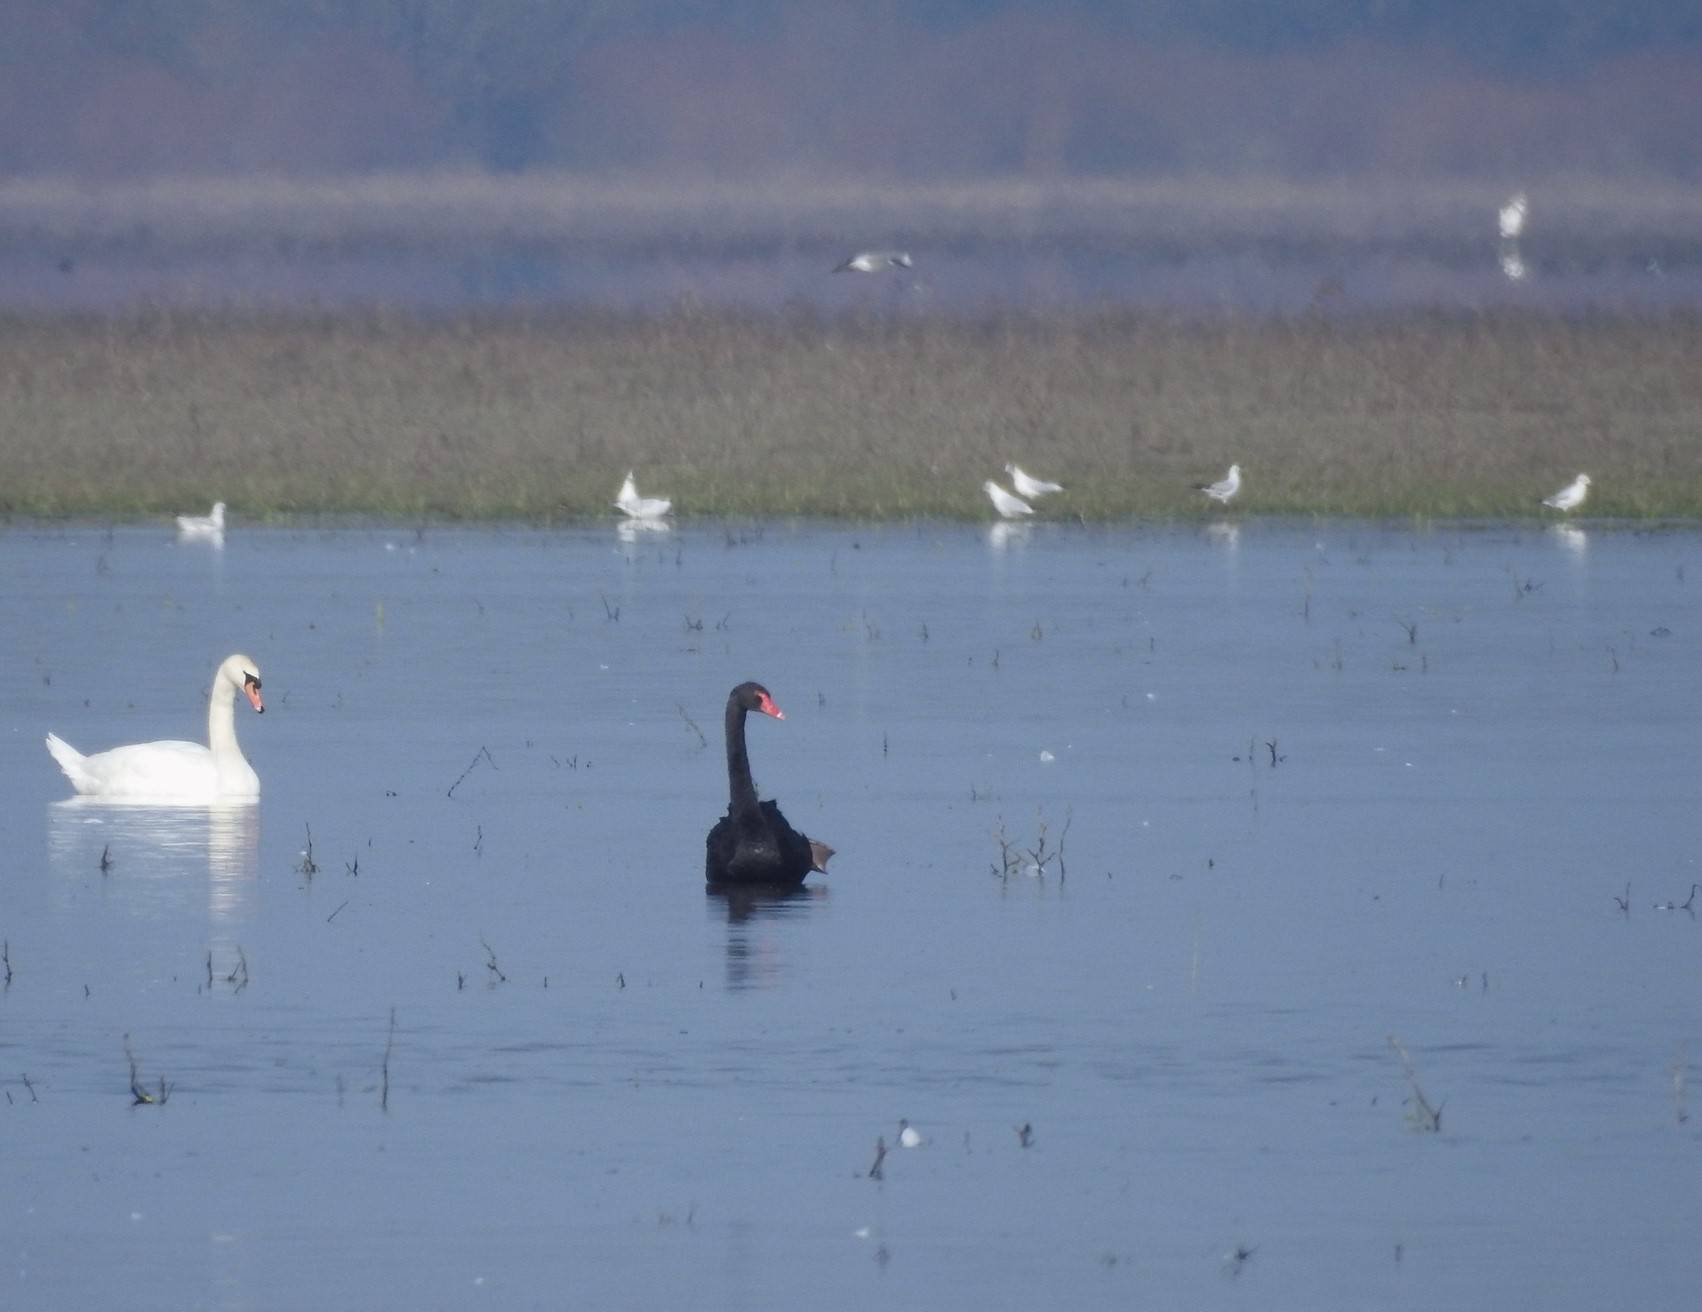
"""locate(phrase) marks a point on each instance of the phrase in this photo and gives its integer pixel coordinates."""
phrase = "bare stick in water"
(497, 977)
(692, 725)
(141, 1097)
(1423, 1115)
(389, 1047)
(307, 866)
(482, 752)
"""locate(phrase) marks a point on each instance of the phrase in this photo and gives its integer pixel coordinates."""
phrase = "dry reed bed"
(735, 414)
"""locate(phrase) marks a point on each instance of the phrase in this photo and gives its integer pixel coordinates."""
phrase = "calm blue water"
(606, 1088)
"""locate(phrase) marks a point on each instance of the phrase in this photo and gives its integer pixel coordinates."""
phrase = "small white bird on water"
(1008, 506)
(874, 262)
(203, 526)
(633, 506)
(1225, 488)
(1571, 496)
(908, 1135)
(1030, 487)
(1511, 218)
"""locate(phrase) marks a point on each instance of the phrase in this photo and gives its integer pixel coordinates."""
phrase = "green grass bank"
(539, 416)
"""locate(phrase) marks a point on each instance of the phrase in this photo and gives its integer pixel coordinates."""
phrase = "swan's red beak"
(251, 687)
(766, 705)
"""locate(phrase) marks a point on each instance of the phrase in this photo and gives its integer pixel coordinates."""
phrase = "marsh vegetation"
(873, 415)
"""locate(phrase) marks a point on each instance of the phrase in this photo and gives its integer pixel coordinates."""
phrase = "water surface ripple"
(1315, 785)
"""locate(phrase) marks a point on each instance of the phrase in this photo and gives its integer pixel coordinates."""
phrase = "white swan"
(1571, 496)
(1008, 506)
(211, 525)
(171, 772)
(874, 262)
(1225, 488)
(1027, 486)
(633, 506)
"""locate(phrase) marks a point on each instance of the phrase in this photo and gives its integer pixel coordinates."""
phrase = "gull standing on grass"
(1030, 487)
(1225, 488)
(633, 506)
(874, 262)
(210, 525)
(1571, 496)
(1008, 506)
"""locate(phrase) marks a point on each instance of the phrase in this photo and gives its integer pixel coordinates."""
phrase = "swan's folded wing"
(168, 769)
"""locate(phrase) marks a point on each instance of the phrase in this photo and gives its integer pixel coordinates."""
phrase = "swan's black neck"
(739, 785)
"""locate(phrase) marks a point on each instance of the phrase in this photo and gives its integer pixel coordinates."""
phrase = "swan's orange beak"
(251, 686)
(766, 705)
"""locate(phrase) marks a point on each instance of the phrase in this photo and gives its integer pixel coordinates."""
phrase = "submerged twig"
(880, 1156)
(1009, 859)
(307, 865)
(105, 858)
(692, 725)
(1236, 1259)
(490, 963)
(139, 1095)
(482, 752)
(389, 1047)
(1422, 1114)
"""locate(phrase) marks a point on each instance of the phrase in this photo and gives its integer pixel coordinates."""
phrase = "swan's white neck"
(221, 722)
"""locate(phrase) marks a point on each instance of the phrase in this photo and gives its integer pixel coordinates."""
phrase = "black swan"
(752, 843)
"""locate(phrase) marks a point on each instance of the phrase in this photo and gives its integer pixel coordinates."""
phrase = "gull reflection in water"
(757, 916)
(1225, 533)
(156, 855)
(1006, 534)
(630, 530)
(1571, 537)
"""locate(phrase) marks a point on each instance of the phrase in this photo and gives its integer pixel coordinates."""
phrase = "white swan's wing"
(166, 771)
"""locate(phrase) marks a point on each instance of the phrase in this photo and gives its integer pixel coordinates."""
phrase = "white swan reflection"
(157, 856)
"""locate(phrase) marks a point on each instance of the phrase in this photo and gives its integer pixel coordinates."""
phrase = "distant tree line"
(107, 88)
